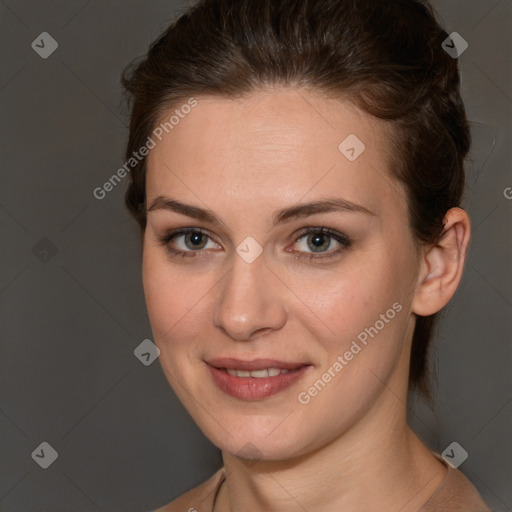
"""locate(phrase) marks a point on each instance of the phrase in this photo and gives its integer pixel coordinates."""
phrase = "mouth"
(258, 374)
(255, 379)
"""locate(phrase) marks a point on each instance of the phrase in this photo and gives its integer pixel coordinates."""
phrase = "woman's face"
(250, 290)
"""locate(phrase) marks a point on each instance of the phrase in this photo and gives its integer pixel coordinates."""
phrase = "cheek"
(160, 302)
(352, 298)
(364, 309)
(168, 298)
(369, 323)
(179, 306)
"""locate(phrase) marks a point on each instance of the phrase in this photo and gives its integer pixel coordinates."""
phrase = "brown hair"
(385, 56)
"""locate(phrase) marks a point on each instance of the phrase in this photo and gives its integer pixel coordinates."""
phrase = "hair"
(385, 56)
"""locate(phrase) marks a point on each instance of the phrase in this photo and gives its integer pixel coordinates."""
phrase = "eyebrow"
(280, 217)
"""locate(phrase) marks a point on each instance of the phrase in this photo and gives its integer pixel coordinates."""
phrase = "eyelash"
(344, 240)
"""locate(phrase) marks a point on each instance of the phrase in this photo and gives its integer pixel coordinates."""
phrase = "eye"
(314, 243)
(318, 243)
(187, 241)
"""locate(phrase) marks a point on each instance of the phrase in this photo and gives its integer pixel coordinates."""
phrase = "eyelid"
(169, 236)
(339, 237)
(324, 231)
(342, 239)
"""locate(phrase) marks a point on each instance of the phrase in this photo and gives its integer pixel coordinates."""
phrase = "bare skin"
(349, 447)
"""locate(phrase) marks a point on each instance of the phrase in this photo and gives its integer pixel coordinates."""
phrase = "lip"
(251, 388)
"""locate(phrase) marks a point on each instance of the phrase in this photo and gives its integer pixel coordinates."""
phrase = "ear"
(442, 264)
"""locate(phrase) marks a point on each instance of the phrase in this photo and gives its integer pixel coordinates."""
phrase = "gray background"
(71, 299)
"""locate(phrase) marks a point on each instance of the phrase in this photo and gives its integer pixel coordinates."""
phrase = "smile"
(256, 379)
(257, 374)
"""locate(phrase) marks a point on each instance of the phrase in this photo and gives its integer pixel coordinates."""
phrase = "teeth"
(257, 374)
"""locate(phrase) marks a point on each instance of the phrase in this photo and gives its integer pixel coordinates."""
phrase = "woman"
(298, 199)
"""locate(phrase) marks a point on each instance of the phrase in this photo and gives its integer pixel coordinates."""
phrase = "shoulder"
(455, 494)
(199, 499)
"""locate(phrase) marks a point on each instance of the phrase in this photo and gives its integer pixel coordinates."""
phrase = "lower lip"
(251, 388)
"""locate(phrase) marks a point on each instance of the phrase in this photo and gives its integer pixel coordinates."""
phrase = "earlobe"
(442, 265)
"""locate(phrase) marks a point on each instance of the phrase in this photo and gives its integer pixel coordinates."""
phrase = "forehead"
(271, 148)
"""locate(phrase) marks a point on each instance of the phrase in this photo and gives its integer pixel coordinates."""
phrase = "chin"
(253, 449)
(257, 438)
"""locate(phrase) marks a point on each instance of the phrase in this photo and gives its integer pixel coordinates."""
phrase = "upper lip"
(254, 364)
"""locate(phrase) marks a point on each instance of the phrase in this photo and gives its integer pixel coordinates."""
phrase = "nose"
(251, 301)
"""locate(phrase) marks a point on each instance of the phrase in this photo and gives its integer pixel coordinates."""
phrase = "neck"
(379, 464)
